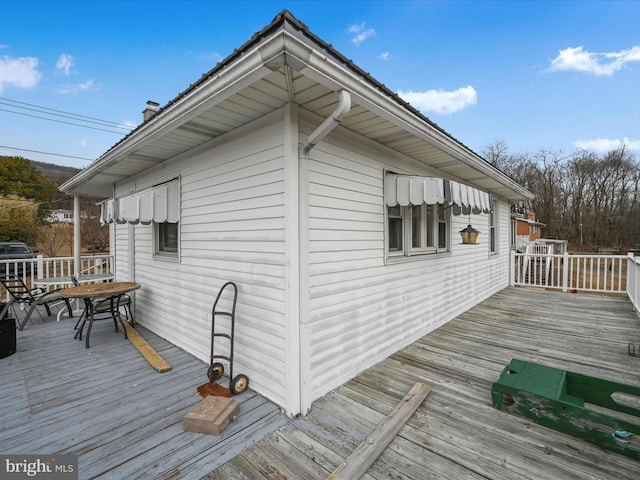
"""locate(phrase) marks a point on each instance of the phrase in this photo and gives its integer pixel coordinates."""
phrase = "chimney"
(150, 111)
(532, 216)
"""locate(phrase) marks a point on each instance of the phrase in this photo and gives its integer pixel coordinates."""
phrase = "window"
(493, 241)
(166, 239)
(396, 230)
(419, 211)
(424, 227)
(514, 234)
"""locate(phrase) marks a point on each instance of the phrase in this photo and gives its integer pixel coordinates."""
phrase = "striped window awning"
(158, 204)
(410, 190)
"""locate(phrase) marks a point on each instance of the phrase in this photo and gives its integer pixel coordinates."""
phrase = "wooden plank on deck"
(368, 451)
(155, 360)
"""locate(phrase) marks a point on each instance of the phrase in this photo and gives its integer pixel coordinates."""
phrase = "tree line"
(591, 200)
(27, 197)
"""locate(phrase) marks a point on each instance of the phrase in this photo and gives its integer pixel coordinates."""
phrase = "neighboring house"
(63, 216)
(60, 216)
(527, 230)
(333, 204)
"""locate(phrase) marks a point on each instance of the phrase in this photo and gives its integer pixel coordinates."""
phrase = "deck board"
(457, 433)
(124, 419)
(107, 405)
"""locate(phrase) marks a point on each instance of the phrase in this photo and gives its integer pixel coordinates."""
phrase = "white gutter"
(331, 122)
(320, 68)
(215, 90)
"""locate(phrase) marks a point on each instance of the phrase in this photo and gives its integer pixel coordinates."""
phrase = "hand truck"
(239, 383)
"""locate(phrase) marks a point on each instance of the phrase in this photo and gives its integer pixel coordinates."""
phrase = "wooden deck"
(456, 433)
(124, 419)
(107, 405)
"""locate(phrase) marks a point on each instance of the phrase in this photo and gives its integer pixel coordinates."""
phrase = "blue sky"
(558, 75)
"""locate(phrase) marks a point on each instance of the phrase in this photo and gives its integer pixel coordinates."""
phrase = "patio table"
(68, 280)
(90, 291)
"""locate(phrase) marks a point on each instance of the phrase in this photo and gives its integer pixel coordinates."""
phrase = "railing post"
(636, 284)
(40, 265)
(633, 280)
(512, 270)
(565, 271)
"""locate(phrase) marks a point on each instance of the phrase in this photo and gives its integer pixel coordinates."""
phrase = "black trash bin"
(7, 332)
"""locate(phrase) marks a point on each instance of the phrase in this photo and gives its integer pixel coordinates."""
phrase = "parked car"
(15, 251)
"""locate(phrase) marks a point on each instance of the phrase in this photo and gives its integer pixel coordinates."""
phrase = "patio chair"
(31, 298)
(106, 307)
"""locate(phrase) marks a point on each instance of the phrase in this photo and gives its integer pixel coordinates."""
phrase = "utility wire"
(47, 153)
(61, 121)
(62, 113)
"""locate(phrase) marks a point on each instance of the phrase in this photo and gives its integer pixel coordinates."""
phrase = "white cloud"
(384, 56)
(441, 101)
(212, 56)
(65, 62)
(361, 33)
(607, 144)
(355, 28)
(88, 86)
(580, 60)
(20, 72)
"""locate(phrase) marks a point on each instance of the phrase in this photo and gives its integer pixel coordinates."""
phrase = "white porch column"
(76, 235)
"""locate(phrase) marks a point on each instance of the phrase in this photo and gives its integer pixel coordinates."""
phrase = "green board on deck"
(599, 411)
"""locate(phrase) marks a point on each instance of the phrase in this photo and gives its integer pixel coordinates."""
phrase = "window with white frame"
(166, 238)
(493, 220)
(419, 210)
(418, 229)
(158, 206)
(166, 221)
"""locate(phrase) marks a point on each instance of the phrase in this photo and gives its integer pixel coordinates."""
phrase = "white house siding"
(119, 248)
(231, 229)
(361, 310)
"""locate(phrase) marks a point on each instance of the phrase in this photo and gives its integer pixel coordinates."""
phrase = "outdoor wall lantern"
(469, 235)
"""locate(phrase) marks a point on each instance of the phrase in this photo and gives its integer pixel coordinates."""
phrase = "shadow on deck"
(107, 405)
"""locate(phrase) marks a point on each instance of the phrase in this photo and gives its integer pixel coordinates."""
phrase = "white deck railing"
(633, 280)
(585, 273)
(45, 267)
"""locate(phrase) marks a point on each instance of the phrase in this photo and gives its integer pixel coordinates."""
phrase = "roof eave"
(317, 66)
(288, 41)
(216, 89)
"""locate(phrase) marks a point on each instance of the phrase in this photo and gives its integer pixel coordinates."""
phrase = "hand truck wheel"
(215, 371)
(239, 384)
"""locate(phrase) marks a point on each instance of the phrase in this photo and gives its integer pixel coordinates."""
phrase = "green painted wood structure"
(579, 405)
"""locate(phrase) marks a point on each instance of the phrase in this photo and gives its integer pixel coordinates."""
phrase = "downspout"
(304, 365)
(331, 122)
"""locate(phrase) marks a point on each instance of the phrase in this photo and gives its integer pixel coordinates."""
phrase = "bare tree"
(551, 201)
(519, 166)
(54, 239)
(588, 199)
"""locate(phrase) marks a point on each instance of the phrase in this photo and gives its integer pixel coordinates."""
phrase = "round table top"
(99, 289)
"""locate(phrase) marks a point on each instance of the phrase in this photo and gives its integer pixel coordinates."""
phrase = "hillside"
(56, 173)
